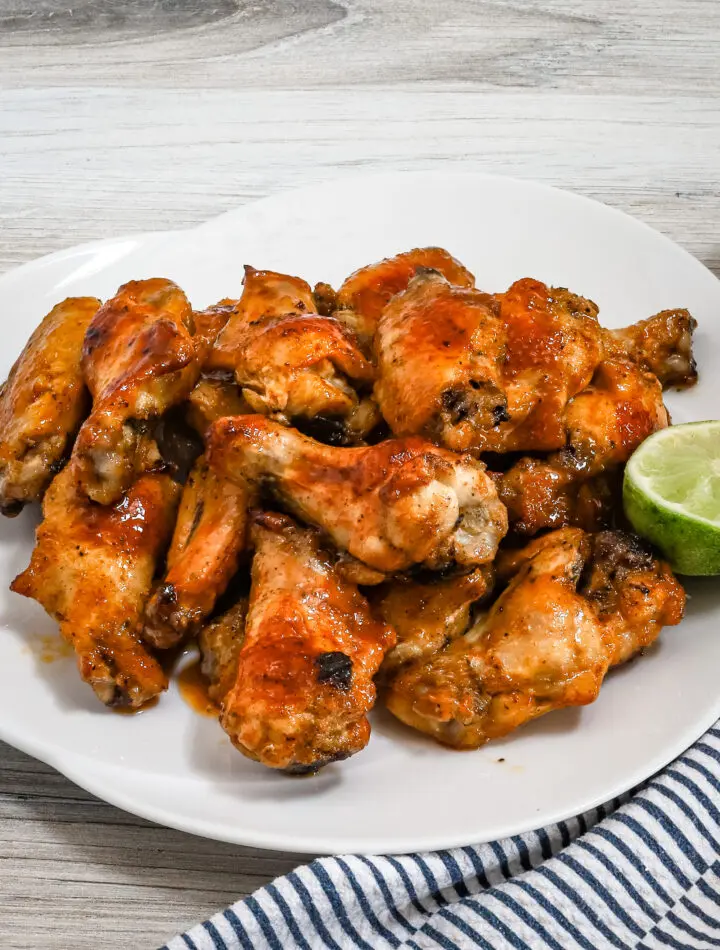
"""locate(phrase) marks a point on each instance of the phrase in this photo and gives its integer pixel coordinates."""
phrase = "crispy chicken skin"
(364, 295)
(42, 404)
(212, 398)
(427, 614)
(546, 643)
(604, 425)
(289, 361)
(440, 351)
(139, 359)
(209, 536)
(540, 494)
(208, 324)
(634, 594)
(553, 346)
(304, 678)
(92, 569)
(662, 345)
(220, 641)
(392, 505)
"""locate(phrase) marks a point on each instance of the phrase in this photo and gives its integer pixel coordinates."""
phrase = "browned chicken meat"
(220, 641)
(139, 359)
(546, 643)
(392, 505)
(203, 556)
(604, 425)
(212, 398)
(304, 677)
(92, 570)
(440, 354)
(364, 295)
(290, 362)
(42, 404)
(427, 613)
(662, 345)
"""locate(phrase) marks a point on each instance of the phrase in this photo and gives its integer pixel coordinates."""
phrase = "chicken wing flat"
(392, 505)
(92, 570)
(427, 614)
(139, 359)
(42, 404)
(212, 398)
(604, 425)
(546, 643)
(304, 679)
(440, 352)
(364, 295)
(209, 536)
(662, 345)
(554, 345)
(289, 361)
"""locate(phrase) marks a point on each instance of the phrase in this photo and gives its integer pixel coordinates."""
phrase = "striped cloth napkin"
(642, 871)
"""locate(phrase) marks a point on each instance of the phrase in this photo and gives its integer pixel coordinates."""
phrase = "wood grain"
(126, 115)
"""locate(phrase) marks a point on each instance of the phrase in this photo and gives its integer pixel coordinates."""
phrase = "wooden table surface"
(120, 116)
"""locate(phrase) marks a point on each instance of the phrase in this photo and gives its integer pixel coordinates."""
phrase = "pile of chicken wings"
(406, 489)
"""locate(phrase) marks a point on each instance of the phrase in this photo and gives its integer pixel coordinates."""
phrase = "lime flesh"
(671, 495)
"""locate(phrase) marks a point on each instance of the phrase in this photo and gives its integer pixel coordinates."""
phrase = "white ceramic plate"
(402, 793)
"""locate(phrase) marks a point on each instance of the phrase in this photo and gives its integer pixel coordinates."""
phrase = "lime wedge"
(671, 495)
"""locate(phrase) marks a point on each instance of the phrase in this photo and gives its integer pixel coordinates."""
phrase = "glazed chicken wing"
(440, 352)
(92, 569)
(42, 404)
(290, 362)
(391, 505)
(427, 614)
(575, 605)
(203, 556)
(364, 295)
(662, 345)
(139, 359)
(304, 677)
(220, 642)
(604, 425)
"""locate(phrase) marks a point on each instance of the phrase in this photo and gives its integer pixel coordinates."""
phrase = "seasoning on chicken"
(364, 295)
(139, 359)
(304, 677)
(392, 505)
(546, 643)
(208, 539)
(220, 641)
(42, 404)
(92, 569)
(662, 345)
(440, 354)
(427, 613)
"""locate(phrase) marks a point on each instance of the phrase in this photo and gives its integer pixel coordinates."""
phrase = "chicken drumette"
(310, 649)
(139, 359)
(392, 505)
(92, 568)
(42, 404)
(546, 643)
(203, 556)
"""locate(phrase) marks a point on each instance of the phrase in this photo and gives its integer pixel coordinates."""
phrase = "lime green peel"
(671, 495)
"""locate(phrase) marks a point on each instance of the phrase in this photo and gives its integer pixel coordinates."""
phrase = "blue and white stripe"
(639, 872)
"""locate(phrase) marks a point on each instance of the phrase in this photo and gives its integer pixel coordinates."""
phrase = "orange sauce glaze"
(193, 688)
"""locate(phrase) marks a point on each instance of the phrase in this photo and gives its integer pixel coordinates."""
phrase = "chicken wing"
(440, 351)
(364, 295)
(304, 679)
(391, 505)
(634, 595)
(574, 606)
(427, 614)
(203, 556)
(662, 345)
(139, 359)
(92, 569)
(290, 362)
(42, 404)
